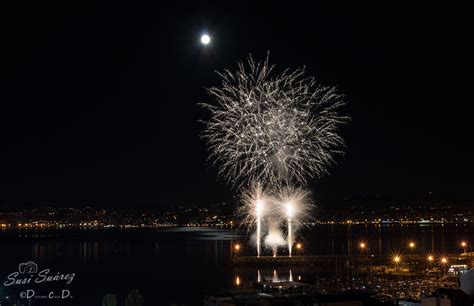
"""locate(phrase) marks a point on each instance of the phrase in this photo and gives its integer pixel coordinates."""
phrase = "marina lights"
(396, 259)
(444, 260)
(362, 245)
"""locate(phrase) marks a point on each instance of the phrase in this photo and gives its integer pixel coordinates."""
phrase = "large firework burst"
(277, 128)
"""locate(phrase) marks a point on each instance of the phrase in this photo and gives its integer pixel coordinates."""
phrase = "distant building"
(458, 269)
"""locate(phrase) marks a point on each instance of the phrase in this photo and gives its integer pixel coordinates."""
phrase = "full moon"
(205, 39)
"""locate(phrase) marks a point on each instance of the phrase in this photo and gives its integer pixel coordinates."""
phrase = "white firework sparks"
(280, 129)
(294, 203)
(256, 203)
(263, 210)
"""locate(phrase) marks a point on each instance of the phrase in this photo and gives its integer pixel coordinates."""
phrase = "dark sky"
(99, 101)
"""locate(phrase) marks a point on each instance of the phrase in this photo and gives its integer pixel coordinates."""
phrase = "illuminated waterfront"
(202, 258)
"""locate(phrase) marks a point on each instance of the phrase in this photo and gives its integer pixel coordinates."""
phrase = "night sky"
(99, 101)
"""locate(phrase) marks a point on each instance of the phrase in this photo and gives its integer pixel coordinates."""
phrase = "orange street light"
(237, 247)
(396, 259)
(430, 258)
(299, 246)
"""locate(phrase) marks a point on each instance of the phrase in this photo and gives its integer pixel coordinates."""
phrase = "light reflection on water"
(379, 240)
(262, 275)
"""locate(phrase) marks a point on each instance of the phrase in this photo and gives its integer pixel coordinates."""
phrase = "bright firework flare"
(253, 211)
(296, 207)
(277, 128)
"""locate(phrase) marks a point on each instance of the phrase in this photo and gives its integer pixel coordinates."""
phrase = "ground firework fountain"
(274, 238)
(289, 213)
(258, 214)
(296, 208)
(272, 131)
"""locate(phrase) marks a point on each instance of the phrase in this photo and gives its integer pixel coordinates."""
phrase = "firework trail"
(277, 128)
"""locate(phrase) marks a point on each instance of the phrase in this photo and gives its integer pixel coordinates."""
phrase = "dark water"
(181, 265)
